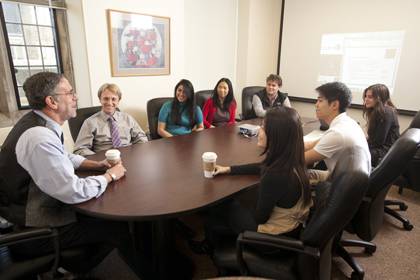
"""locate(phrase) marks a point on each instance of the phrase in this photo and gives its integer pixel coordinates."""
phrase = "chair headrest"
(395, 161)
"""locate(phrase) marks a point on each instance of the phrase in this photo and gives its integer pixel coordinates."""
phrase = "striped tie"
(115, 135)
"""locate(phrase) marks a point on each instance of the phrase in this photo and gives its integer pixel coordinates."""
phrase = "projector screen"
(356, 42)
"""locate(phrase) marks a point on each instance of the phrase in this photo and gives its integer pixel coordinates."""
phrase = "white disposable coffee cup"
(113, 156)
(209, 164)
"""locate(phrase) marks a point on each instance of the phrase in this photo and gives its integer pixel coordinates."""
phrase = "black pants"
(103, 235)
(226, 221)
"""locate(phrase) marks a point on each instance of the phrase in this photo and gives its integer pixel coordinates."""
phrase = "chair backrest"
(337, 201)
(369, 217)
(82, 114)
(202, 96)
(153, 108)
(341, 198)
(415, 123)
(247, 94)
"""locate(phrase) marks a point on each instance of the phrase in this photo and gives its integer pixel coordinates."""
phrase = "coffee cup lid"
(209, 156)
(112, 153)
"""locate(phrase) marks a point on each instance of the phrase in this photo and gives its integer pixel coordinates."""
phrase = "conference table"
(165, 179)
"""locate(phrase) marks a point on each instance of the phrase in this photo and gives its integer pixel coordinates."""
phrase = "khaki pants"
(317, 176)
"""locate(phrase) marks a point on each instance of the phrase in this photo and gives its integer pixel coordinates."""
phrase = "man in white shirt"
(333, 100)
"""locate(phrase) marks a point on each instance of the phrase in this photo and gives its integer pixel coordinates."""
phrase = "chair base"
(358, 272)
(370, 247)
(406, 223)
(400, 204)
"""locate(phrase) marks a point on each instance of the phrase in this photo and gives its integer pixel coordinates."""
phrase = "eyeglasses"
(72, 93)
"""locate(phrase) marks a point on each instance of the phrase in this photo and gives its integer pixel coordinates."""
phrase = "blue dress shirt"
(41, 153)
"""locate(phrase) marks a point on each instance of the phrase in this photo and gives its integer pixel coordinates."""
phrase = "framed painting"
(139, 44)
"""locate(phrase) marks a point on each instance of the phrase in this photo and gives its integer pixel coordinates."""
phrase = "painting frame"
(139, 44)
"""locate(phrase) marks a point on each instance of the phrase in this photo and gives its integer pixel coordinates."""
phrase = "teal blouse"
(184, 126)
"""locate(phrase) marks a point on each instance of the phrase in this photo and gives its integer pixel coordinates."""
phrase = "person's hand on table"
(103, 165)
(116, 172)
(221, 170)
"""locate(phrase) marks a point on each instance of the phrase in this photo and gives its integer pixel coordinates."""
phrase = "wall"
(79, 54)
(258, 40)
(210, 41)
(201, 31)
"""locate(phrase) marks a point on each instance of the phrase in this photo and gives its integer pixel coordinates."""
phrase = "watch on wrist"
(113, 176)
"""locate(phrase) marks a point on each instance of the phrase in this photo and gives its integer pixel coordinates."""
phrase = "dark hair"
(336, 91)
(39, 86)
(189, 106)
(229, 97)
(376, 114)
(274, 78)
(285, 150)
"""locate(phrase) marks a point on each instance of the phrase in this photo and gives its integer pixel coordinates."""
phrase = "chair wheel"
(370, 250)
(356, 276)
(408, 226)
(403, 207)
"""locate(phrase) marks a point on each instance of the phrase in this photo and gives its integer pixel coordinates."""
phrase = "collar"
(51, 124)
(338, 118)
(105, 116)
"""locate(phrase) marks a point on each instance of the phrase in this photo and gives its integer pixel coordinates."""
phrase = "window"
(31, 38)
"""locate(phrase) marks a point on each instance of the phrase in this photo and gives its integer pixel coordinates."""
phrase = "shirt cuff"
(77, 160)
(103, 184)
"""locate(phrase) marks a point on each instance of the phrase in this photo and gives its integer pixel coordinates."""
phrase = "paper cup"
(209, 164)
(113, 156)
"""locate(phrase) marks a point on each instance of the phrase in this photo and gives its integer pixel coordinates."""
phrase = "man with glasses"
(108, 128)
(37, 179)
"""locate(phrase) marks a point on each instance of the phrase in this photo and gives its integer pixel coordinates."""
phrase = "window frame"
(9, 110)
(9, 46)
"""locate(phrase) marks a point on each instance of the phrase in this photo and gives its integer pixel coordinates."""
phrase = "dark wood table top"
(165, 178)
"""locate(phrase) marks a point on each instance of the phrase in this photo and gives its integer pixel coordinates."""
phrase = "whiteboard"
(356, 42)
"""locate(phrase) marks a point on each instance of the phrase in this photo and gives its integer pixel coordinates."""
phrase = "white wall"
(210, 41)
(78, 46)
(258, 40)
(136, 90)
(203, 48)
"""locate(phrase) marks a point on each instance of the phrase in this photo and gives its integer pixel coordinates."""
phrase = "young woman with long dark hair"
(283, 197)
(383, 128)
(181, 115)
(220, 109)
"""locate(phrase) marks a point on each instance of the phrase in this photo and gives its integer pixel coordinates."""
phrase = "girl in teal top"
(180, 116)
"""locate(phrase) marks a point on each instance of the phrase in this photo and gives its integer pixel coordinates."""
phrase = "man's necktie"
(62, 138)
(115, 135)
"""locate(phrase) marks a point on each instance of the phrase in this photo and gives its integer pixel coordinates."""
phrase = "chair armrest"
(25, 236)
(277, 241)
(274, 241)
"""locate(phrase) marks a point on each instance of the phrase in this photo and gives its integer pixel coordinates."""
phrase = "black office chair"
(202, 96)
(310, 256)
(247, 109)
(153, 108)
(368, 220)
(14, 266)
(411, 176)
(82, 114)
